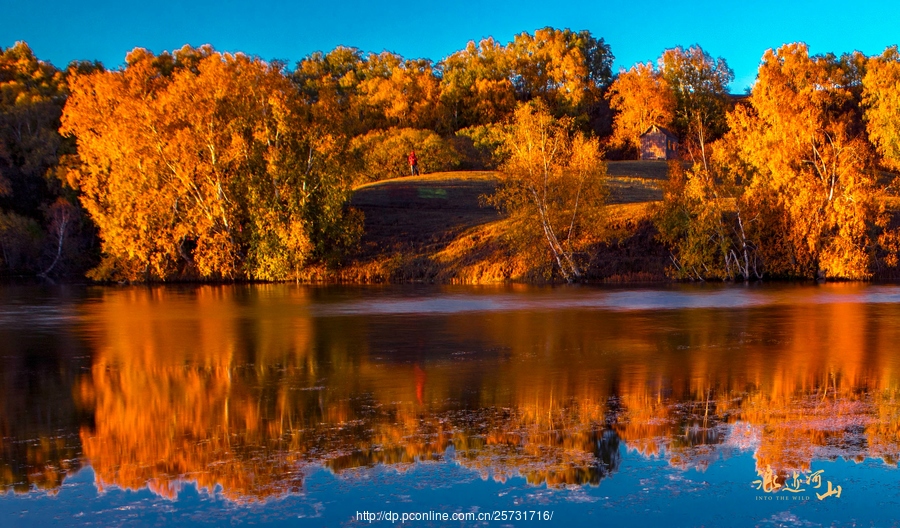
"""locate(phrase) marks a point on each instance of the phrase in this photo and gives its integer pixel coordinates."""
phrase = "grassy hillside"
(436, 228)
(422, 213)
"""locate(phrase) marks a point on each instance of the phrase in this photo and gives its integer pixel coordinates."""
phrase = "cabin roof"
(666, 131)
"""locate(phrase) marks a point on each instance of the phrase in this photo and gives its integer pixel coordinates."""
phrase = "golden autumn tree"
(568, 70)
(808, 172)
(691, 224)
(329, 85)
(199, 163)
(641, 97)
(401, 92)
(703, 219)
(382, 154)
(881, 97)
(552, 185)
(476, 84)
(699, 84)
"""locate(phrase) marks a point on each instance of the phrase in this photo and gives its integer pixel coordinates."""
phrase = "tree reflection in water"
(248, 387)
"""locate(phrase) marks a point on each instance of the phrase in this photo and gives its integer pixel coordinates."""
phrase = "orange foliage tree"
(699, 84)
(382, 154)
(702, 219)
(329, 86)
(641, 97)
(200, 163)
(568, 70)
(404, 93)
(552, 185)
(476, 84)
(881, 96)
(808, 173)
(791, 189)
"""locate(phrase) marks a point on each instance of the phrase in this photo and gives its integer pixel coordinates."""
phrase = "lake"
(681, 405)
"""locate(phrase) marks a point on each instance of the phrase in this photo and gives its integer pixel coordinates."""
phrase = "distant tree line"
(197, 164)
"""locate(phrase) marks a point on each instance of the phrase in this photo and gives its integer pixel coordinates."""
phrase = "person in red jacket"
(413, 163)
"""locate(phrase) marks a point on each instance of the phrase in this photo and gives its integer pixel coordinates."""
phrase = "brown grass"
(646, 170)
(422, 213)
(635, 181)
(435, 228)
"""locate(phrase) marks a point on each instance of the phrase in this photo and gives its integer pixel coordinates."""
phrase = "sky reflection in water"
(275, 403)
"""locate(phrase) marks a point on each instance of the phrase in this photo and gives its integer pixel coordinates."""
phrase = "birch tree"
(699, 84)
(553, 185)
(808, 169)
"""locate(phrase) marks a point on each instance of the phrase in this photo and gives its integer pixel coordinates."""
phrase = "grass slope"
(635, 181)
(422, 212)
(436, 228)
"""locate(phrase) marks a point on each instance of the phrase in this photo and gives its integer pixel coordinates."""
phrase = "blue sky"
(61, 30)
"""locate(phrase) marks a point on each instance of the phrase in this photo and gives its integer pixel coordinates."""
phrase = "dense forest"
(201, 165)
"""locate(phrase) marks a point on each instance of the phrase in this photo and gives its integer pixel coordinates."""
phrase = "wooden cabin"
(658, 143)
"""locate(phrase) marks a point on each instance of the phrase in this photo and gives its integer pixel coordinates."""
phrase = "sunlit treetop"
(24, 78)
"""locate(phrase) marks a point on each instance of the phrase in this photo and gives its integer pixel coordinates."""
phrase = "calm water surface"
(313, 406)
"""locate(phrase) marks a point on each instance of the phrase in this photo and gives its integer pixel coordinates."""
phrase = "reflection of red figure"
(420, 383)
